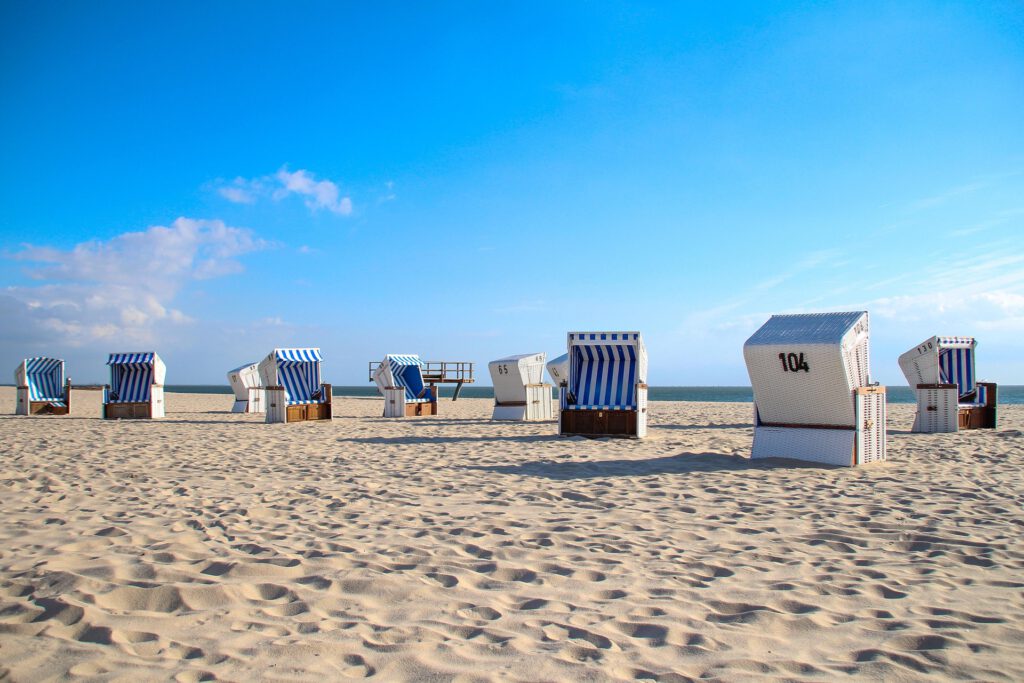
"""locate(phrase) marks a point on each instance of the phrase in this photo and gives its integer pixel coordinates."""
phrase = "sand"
(209, 546)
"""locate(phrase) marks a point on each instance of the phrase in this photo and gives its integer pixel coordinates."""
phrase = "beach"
(211, 546)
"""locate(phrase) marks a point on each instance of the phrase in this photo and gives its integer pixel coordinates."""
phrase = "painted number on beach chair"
(792, 362)
(502, 369)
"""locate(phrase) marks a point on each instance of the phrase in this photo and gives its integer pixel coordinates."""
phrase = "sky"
(468, 181)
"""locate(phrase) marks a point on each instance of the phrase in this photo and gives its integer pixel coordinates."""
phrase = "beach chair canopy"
(558, 369)
(132, 375)
(243, 378)
(942, 360)
(604, 369)
(44, 378)
(298, 371)
(402, 370)
(510, 375)
(804, 367)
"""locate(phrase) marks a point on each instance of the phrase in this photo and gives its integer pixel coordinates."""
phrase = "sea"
(1008, 394)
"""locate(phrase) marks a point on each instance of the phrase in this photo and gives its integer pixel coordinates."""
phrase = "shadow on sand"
(684, 463)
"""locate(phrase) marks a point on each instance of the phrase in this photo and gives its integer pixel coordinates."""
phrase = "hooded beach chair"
(399, 378)
(294, 390)
(606, 391)
(250, 396)
(940, 370)
(519, 389)
(813, 398)
(558, 369)
(42, 388)
(136, 388)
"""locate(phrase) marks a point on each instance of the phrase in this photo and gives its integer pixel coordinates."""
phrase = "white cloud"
(124, 287)
(318, 194)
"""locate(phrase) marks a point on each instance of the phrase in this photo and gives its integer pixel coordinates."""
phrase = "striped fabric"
(131, 377)
(407, 372)
(980, 399)
(45, 379)
(603, 375)
(298, 372)
(956, 366)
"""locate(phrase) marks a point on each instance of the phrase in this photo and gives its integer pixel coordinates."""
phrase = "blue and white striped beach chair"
(293, 386)
(136, 388)
(606, 391)
(941, 372)
(399, 378)
(41, 387)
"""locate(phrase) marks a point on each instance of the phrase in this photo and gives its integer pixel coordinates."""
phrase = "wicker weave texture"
(937, 411)
(871, 428)
(825, 446)
(821, 396)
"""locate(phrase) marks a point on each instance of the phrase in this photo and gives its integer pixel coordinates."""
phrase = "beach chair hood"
(297, 370)
(803, 367)
(132, 376)
(942, 360)
(243, 378)
(511, 375)
(604, 370)
(403, 370)
(44, 378)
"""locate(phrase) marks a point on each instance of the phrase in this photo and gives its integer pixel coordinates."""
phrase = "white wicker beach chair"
(813, 398)
(41, 387)
(519, 389)
(606, 391)
(136, 388)
(399, 378)
(940, 370)
(294, 390)
(250, 396)
(558, 369)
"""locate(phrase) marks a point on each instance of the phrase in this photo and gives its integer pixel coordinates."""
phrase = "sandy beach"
(210, 546)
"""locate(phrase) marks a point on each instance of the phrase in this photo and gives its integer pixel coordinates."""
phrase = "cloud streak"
(318, 194)
(124, 287)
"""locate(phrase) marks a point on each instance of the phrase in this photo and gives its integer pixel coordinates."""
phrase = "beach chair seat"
(294, 390)
(519, 389)
(136, 389)
(941, 372)
(41, 387)
(813, 398)
(605, 393)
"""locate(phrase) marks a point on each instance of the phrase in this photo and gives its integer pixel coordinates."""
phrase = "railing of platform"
(439, 371)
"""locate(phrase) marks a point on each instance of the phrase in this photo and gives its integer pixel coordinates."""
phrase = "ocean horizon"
(1008, 395)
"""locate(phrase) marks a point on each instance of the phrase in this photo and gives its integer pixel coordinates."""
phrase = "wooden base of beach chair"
(598, 423)
(980, 417)
(128, 411)
(279, 411)
(45, 408)
(420, 409)
(26, 406)
(307, 412)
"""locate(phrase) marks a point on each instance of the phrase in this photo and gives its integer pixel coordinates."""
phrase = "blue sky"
(462, 181)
